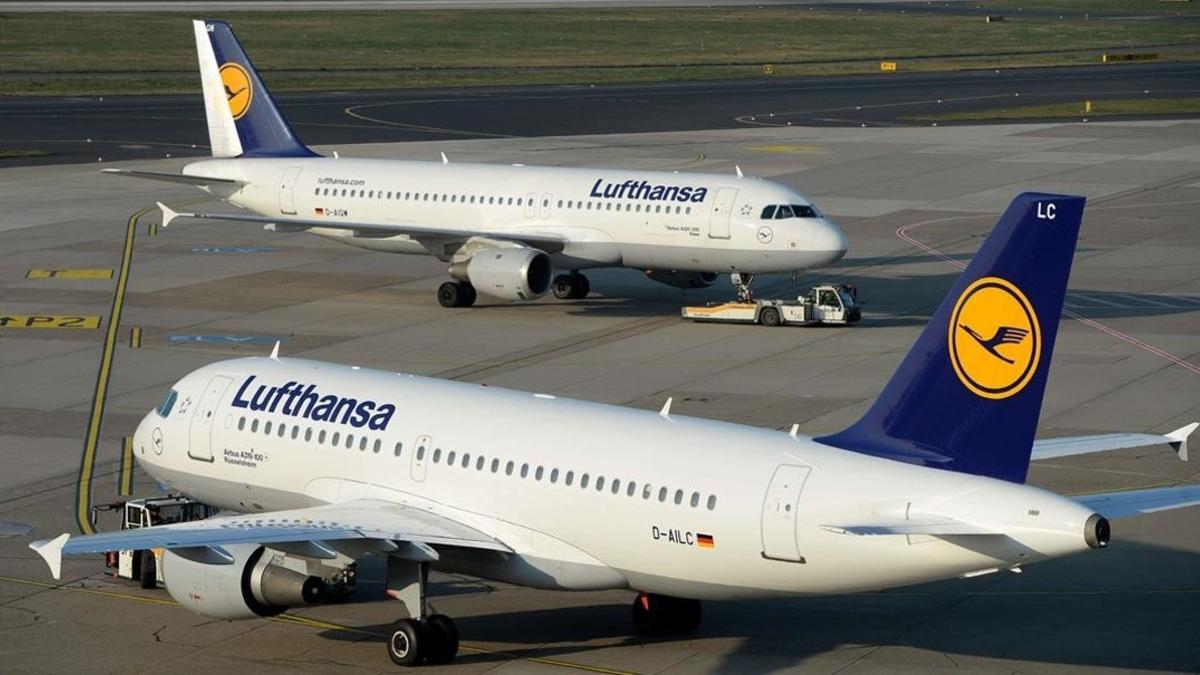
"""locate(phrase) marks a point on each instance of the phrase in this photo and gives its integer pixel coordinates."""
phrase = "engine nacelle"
(507, 273)
(254, 585)
(683, 279)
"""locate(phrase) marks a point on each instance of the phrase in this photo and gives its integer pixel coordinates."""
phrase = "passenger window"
(450, 458)
(608, 206)
(688, 210)
(307, 434)
(282, 429)
(679, 496)
(241, 424)
(589, 206)
(712, 502)
(646, 491)
(560, 203)
(253, 426)
(317, 192)
(537, 475)
(349, 441)
(630, 489)
(662, 494)
(378, 446)
(695, 499)
(437, 455)
(267, 428)
(295, 432)
(658, 208)
(372, 194)
(420, 452)
(337, 436)
(524, 470)
(599, 483)
(495, 465)
(362, 444)
(583, 481)
(616, 485)
(508, 468)
(321, 437)
(479, 463)
(399, 448)
(466, 460)
(545, 203)
(554, 476)
(570, 477)
(784, 211)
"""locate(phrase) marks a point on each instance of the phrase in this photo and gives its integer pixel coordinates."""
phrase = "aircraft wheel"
(456, 294)
(770, 317)
(469, 294)
(148, 573)
(657, 615)
(405, 643)
(443, 642)
(580, 287)
(563, 288)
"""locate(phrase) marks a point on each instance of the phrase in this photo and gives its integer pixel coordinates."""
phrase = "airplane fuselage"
(608, 218)
(589, 496)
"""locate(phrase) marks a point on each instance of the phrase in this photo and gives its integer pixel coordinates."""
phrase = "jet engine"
(683, 279)
(507, 273)
(259, 582)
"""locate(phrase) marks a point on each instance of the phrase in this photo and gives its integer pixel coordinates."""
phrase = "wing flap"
(1128, 503)
(1083, 445)
(374, 523)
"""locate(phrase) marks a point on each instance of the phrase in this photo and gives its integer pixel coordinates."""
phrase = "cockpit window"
(784, 211)
(805, 211)
(768, 212)
(781, 211)
(168, 402)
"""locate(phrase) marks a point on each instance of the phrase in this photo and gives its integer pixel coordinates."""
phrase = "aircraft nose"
(142, 440)
(827, 242)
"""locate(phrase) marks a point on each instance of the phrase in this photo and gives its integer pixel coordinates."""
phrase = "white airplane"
(502, 229)
(326, 464)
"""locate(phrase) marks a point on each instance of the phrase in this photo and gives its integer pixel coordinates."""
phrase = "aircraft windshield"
(781, 211)
(168, 402)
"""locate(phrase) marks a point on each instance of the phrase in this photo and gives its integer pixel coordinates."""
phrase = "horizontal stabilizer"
(173, 177)
(1129, 503)
(929, 524)
(1084, 445)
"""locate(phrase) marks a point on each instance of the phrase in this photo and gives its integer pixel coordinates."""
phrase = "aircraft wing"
(306, 529)
(1129, 503)
(549, 243)
(1083, 445)
(915, 523)
(173, 177)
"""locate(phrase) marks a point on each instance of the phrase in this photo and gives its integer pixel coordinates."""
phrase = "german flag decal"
(705, 541)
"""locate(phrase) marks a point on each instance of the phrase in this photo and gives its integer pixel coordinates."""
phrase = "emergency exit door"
(287, 190)
(722, 209)
(200, 434)
(780, 513)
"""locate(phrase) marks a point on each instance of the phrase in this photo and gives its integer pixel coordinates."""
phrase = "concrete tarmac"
(910, 199)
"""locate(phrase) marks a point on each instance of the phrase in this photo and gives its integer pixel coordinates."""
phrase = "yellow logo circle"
(995, 339)
(238, 88)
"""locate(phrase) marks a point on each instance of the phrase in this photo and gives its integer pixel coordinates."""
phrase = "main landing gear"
(741, 281)
(421, 638)
(658, 615)
(573, 286)
(456, 294)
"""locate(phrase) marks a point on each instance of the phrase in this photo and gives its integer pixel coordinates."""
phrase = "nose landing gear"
(573, 286)
(741, 281)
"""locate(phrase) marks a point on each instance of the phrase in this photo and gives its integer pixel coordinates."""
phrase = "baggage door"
(287, 190)
(779, 515)
(722, 209)
(200, 434)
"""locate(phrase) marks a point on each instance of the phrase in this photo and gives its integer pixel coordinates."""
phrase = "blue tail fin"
(243, 118)
(968, 395)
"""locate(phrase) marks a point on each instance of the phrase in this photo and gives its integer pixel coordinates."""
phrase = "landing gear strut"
(657, 615)
(456, 294)
(573, 286)
(420, 638)
(741, 281)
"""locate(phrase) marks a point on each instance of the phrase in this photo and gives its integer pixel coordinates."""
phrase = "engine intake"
(1096, 531)
(254, 585)
(507, 273)
(682, 279)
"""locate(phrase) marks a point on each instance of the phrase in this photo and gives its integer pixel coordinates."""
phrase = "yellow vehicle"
(835, 304)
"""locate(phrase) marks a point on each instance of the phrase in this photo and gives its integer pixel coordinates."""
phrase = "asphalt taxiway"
(913, 201)
(119, 128)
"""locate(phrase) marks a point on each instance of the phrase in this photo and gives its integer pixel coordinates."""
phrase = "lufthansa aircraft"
(502, 229)
(326, 464)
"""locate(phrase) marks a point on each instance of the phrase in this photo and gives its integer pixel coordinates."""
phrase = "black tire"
(469, 294)
(405, 643)
(443, 639)
(148, 575)
(648, 617)
(580, 287)
(563, 287)
(448, 294)
(770, 317)
(687, 616)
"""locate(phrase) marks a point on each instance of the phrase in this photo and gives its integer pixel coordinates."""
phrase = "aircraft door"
(420, 457)
(779, 515)
(718, 219)
(531, 205)
(287, 190)
(545, 205)
(200, 433)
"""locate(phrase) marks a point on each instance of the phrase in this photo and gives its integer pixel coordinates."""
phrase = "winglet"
(275, 351)
(168, 214)
(51, 552)
(1178, 439)
(666, 409)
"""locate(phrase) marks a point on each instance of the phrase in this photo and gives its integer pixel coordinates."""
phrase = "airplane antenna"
(445, 159)
(795, 430)
(275, 351)
(666, 409)
(738, 169)
(335, 155)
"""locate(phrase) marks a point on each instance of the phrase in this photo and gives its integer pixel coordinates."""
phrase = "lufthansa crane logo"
(239, 91)
(995, 339)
